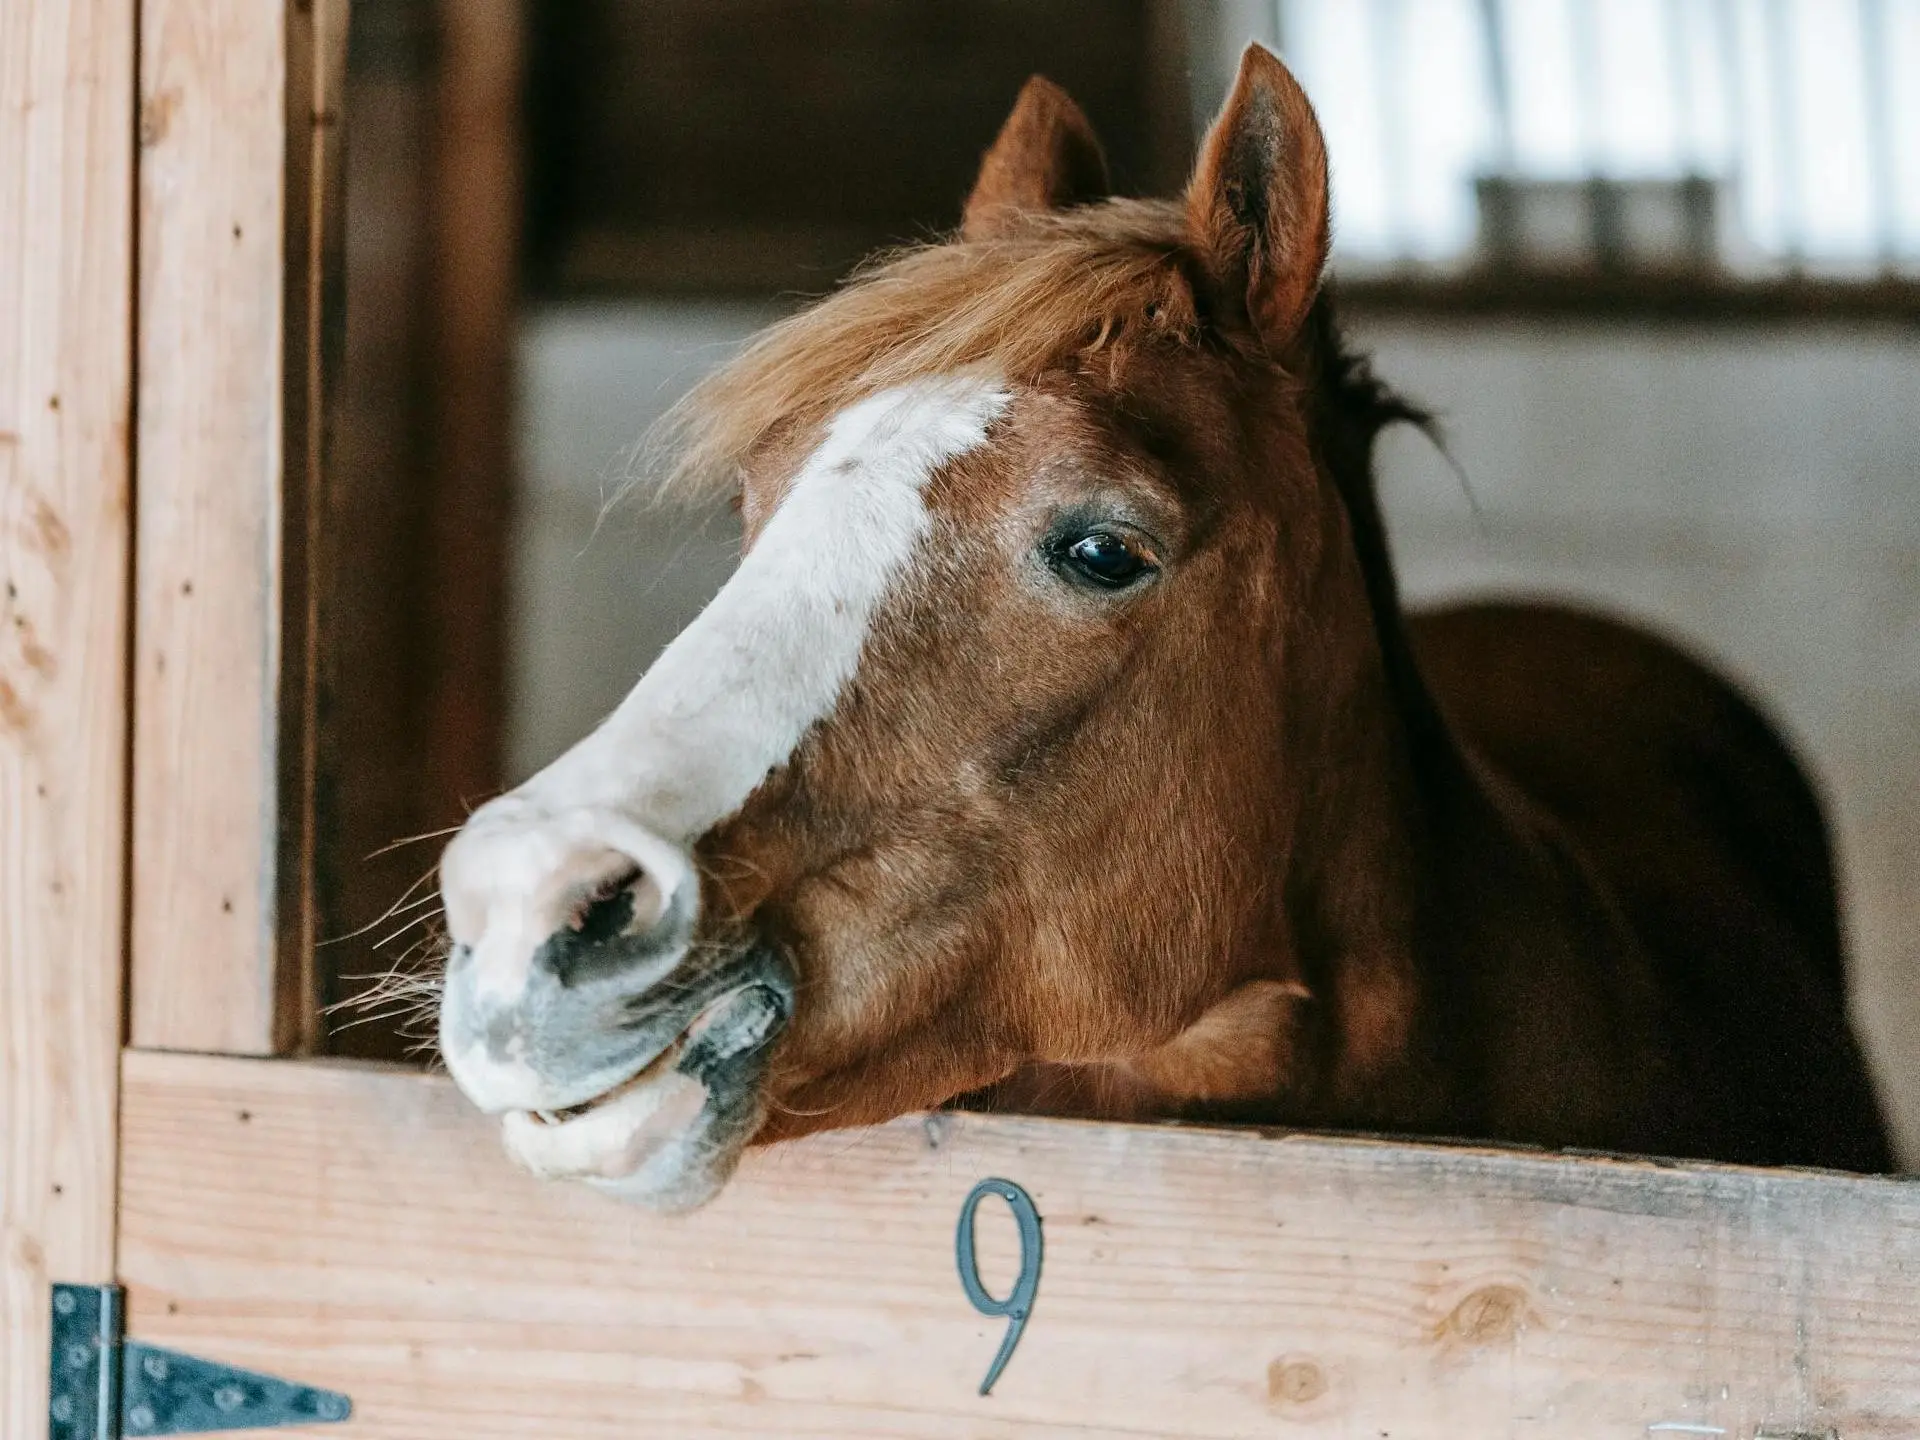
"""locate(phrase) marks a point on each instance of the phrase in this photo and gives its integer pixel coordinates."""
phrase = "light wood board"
(66, 234)
(357, 1228)
(238, 262)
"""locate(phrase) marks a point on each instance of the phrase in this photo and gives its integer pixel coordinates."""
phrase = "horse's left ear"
(1045, 158)
(1257, 206)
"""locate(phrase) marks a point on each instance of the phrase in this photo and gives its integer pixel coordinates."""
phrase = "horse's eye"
(1105, 559)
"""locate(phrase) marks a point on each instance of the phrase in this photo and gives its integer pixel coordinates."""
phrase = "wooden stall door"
(317, 648)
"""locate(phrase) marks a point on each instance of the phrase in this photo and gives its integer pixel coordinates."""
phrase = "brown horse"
(1060, 743)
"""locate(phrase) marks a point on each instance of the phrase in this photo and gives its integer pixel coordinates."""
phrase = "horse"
(1060, 745)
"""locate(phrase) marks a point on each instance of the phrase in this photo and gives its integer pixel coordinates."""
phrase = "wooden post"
(238, 193)
(66, 231)
(475, 228)
(416, 599)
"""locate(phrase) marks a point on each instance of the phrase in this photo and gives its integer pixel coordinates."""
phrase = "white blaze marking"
(731, 697)
(727, 702)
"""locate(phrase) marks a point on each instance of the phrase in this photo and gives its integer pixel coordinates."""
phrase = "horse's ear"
(1046, 158)
(1257, 206)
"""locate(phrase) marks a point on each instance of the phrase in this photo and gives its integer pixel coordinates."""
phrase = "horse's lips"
(566, 1114)
(614, 1135)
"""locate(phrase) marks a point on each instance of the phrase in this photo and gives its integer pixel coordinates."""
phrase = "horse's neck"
(1367, 890)
(1445, 923)
(1448, 930)
(1353, 913)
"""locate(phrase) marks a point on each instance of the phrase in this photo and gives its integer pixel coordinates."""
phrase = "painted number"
(1019, 1303)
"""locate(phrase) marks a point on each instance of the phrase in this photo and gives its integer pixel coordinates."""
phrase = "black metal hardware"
(103, 1386)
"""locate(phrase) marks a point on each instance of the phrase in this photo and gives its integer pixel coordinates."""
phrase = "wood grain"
(358, 1228)
(66, 234)
(313, 348)
(237, 147)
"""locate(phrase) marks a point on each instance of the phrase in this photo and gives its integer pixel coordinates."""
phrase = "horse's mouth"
(628, 1087)
(731, 1024)
(670, 1132)
(614, 1134)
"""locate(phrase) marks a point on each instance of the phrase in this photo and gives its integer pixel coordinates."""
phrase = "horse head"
(991, 764)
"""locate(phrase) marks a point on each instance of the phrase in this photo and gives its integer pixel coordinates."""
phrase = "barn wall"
(1754, 489)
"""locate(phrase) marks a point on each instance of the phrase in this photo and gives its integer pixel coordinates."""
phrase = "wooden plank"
(313, 348)
(66, 235)
(358, 1228)
(238, 258)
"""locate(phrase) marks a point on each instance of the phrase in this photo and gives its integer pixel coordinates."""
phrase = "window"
(1759, 137)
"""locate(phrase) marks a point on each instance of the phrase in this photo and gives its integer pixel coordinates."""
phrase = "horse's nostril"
(605, 910)
(627, 902)
(608, 925)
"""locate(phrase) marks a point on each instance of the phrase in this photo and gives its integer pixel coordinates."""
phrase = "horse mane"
(1353, 407)
(1019, 304)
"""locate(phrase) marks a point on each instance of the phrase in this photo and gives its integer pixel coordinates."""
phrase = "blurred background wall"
(1653, 261)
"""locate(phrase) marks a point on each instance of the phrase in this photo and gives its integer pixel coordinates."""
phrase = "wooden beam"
(474, 229)
(66, 236)
(415, 584)
(239, 185)
(380, 493)
(359, 1229)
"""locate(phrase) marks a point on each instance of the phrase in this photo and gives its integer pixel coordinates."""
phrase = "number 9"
(1019, 1304)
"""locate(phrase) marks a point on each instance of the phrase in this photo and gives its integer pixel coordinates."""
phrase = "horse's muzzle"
(578, 1008)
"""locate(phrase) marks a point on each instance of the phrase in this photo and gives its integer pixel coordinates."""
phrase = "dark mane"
(1353, 406)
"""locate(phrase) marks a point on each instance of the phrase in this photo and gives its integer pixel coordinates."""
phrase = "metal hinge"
(104, 1386)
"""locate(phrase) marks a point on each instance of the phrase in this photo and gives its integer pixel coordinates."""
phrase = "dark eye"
(1105, 559)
